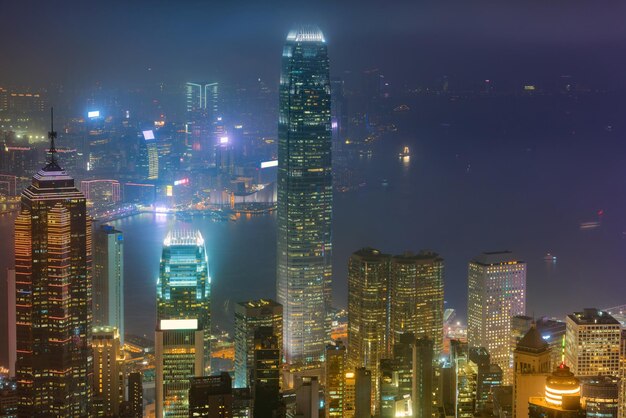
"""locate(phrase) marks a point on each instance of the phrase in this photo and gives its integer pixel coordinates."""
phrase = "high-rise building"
(184, 284)
(592, 343)
(202, 98)
(600, 396)
(304, 195)
(308, 398)
(249, 316)
(266, 372)
(362, 393)
(349, 395)
(53, 296)
(135, 394)
(561, 398)
(531, 366)
(394, 396)
(496, 293)
(416, 297)
(108, 362)
(211, 397)
(335, 379)
(108, 279)
(423, 378)
(11, 324)
(552, 331)
(368, 277)
(488, 376)
(183, 321)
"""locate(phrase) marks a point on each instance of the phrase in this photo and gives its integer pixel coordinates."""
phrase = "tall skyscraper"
(592, 343)
(53, 296)
(183, 321)
(304, 195)
(531, 366)
(368, 276)
(362, 393)
(108, 361)
(11, 323)
(416, 297)
(202, 98)
(496, 293)
(108, 279)
(423, 378)
(335, 379)
(135, 394)
(266, 372)
(249, 316)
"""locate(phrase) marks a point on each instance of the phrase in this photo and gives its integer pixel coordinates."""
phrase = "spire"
(52, 164)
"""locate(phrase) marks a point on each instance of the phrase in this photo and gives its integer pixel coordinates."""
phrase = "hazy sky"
(112, 41)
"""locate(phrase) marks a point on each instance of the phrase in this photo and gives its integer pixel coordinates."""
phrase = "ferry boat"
(405, 154)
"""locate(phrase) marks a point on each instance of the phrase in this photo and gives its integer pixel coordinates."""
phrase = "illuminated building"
(592, 343)
(531, 366)
(395, 386)
(9, 398)
(249, 316)
(600, 396)
(211, 397)
(467, 379)
(561, 398)
(179, 355)
(183, 321)
(416, 297)
(496, 293)
(335, 379)
(108, 362)
(368, 276)
(108, 279)
(11, 324)
(149, 157)
(202, 99)
(266, 372)
(349, 395)
(304, 245)
(53, 296)
(101, 192)
(135, 394)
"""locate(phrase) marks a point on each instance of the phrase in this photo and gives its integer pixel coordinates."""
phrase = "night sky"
(80, 43)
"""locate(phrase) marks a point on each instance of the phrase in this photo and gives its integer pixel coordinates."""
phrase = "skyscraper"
(183, 321)
(592, 343)
(423, 378)
(266, 372)
(304, 195)
(368, 276)
(202, 98)
(416, 297)
(496, 293)
(249, 316)
(135, 394)
(53, 296)
(108, 386)
(335, 379)
(211, 396)
(108, 282)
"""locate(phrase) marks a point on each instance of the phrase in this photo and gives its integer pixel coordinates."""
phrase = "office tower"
(304, 196)
(184, 284)
(9, 398)
(592, 343)
(108, 279)
(600, 396)
(552, 331)
(561, 398)
(243, 403)
(53, 296)
(108, 363)
(496, 293)
(11, 324)
(135, 394)
(308, 398)
(211, 396)
(368, 276)
(488, 376)
(202, 100)
(349, 395)
(416, 297)
(531, 366)
(466, 378)
(183, 321)
(362, 393)
(266, 372)
(423, 378)
(335, 379)
(248, 317)
(395, 387)
(149, 157)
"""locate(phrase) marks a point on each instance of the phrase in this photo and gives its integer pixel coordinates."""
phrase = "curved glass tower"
(304, 195)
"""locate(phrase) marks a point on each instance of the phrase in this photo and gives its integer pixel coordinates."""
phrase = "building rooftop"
(306, 33)
(532, 342)
(496, 257)
(591, 316)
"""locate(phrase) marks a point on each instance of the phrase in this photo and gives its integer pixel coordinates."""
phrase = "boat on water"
(405, 154)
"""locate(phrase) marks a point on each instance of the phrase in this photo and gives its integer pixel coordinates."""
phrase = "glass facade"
(53, 297)
(304, 195)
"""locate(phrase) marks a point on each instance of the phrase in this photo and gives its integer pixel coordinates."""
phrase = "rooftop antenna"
(52, 136)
